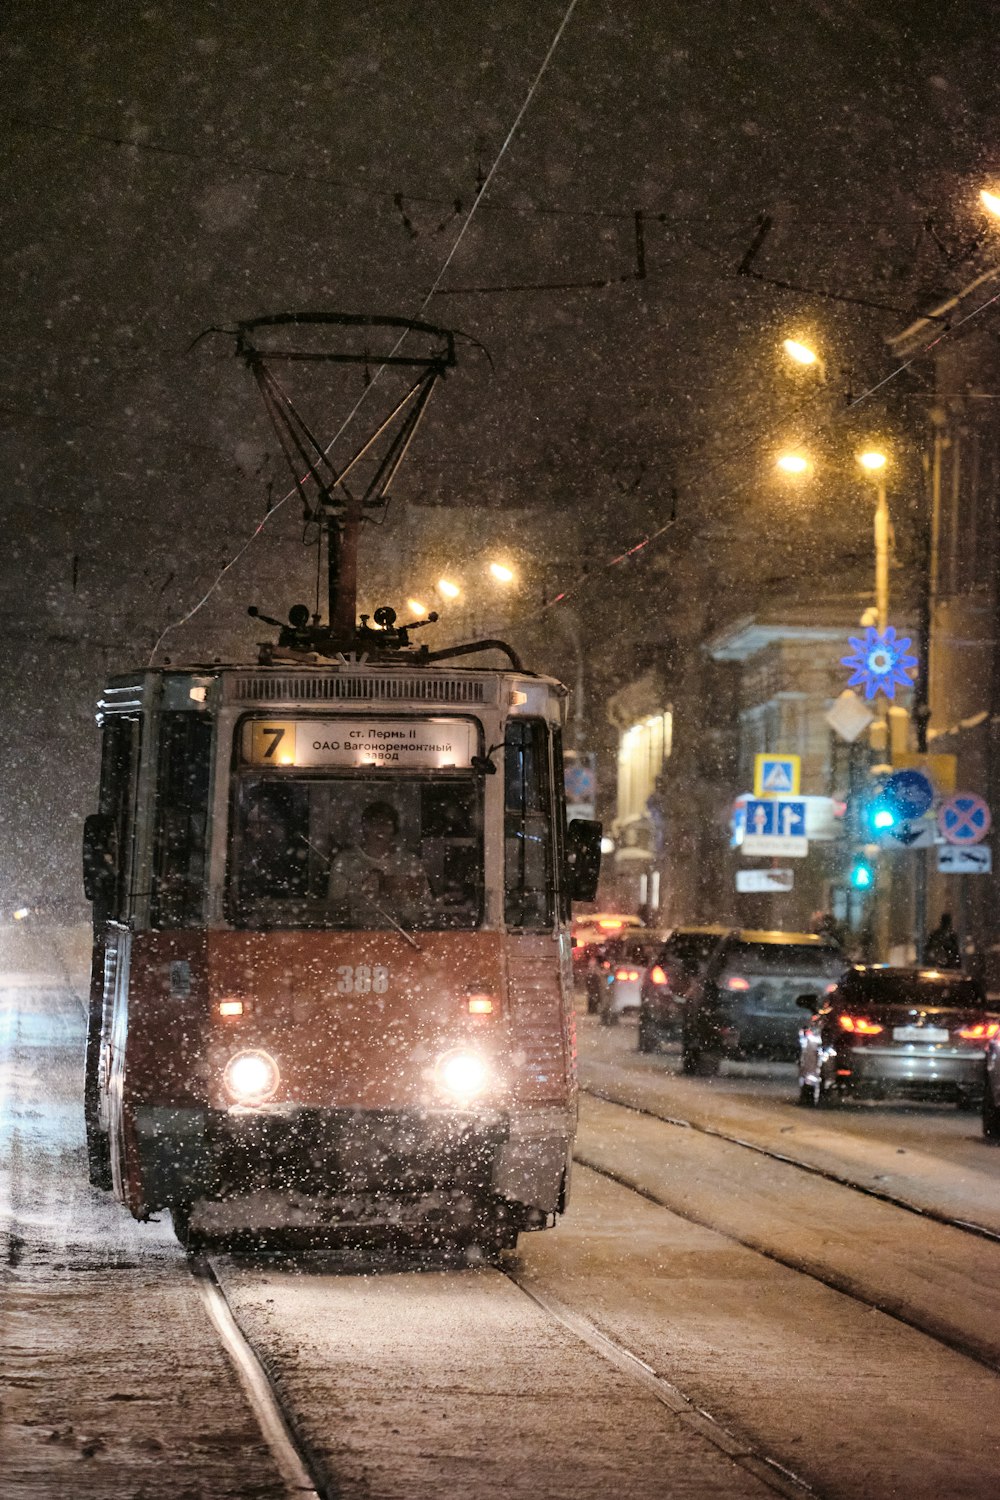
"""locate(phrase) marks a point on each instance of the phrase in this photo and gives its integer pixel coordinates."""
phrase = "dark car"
(679, 962)
(746, 1003)
(917, 1032)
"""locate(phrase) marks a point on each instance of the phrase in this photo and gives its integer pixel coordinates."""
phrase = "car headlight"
(251, 1077)
(462, 1074)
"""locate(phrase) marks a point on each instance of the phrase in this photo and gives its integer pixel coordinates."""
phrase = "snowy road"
(823, 1332)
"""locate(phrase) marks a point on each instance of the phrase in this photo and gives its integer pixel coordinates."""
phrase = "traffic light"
(880, 811)
(862, 873)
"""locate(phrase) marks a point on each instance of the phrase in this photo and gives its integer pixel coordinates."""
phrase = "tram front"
(339, 993)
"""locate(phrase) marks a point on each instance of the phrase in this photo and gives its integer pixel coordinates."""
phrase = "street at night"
(500, 673)
(722, 1312)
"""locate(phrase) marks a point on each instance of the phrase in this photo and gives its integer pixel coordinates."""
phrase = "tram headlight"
(463, 1075)
(251, 1077)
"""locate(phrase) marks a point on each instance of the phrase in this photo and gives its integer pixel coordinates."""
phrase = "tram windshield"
(349, 852)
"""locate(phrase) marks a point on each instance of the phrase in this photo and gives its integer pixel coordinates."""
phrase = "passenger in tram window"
(379, 876)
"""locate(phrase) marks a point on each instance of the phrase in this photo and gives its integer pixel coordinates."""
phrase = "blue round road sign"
(964, 818)
(910, 793)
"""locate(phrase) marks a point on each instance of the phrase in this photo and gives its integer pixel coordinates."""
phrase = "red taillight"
(626, 974)
(737, 982)
(980, 1031)
(859, 1025)
(656, 975)
(830, 987)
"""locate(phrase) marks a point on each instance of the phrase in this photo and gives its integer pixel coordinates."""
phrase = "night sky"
(174, 167)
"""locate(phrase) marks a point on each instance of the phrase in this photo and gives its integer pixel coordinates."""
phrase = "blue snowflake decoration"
(880, 662)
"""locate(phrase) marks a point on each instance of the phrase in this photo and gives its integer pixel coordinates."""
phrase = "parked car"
(621, 972)
(917, 1032)
(745, 1004)
(674, 969)
(592, 930)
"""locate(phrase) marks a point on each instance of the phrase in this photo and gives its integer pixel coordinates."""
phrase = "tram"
(332, 982)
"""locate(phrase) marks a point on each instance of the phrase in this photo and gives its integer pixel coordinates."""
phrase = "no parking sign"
(964, 818)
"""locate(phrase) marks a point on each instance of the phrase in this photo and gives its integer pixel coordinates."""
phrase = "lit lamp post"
(873, 463)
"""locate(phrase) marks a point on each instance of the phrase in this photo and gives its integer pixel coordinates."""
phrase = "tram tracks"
(302, 1474)
(825, 1174)
(968, 1345)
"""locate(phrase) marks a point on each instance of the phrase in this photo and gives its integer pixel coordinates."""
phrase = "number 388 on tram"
(332, 986)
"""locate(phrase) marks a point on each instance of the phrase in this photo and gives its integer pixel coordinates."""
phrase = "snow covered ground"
(410, 1382)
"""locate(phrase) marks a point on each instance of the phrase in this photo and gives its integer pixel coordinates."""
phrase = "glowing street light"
(501, 573)
(415, 607)
(990, 201)
(801, 353)
(792, 463)
(873, 461)
(448, 589)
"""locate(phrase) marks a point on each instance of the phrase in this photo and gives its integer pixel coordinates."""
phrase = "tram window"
(565, 898)
(303, 852)
(527, 826)
(182, 783)
(119, 755)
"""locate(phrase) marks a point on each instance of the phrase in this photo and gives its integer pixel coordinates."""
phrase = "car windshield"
(784, 958)
(888, 988)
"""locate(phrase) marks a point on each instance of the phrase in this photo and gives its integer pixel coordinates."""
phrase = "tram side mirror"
(100, 854)
(483, 765)
(583, 858)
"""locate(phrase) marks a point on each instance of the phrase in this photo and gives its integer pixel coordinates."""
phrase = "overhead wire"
(168, 629)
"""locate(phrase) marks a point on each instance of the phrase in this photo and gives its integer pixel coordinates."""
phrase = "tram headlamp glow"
(251, 1077)
(464, 1075)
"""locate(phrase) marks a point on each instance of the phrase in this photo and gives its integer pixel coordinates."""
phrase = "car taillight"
(859, 1025)
(737, 982)
(980, 1031)
(626, 974)
(656, 975)
(830, 987)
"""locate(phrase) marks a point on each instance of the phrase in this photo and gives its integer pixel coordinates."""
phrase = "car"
(745, 1005)
(593, 929)
(621, 970)
(679, 962)
(917, 1032)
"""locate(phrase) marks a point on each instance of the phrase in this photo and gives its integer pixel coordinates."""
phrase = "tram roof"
(351, 683)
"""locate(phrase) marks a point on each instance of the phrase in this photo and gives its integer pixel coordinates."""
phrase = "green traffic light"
(862, 875)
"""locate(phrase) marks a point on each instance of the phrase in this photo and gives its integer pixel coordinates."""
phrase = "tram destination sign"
(391, 744)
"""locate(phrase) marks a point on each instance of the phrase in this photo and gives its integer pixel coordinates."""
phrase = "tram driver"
(379, 876)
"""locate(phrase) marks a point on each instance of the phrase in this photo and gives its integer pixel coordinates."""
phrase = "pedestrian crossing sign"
(776, 775)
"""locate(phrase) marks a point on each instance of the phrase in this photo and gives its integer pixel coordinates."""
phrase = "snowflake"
(880, 662)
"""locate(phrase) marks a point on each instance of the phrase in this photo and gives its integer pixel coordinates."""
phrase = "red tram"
(332, 983)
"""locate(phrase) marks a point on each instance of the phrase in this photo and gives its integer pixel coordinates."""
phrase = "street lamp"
(793, 463)
(447, 589)
(990, 201)
(873, 462)
(501, 573)
(801, 353)
(415, 607)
